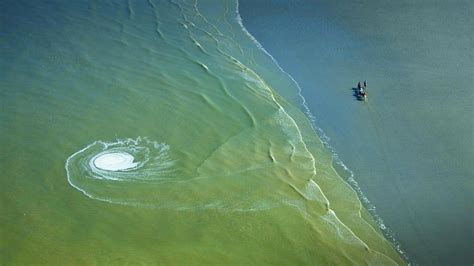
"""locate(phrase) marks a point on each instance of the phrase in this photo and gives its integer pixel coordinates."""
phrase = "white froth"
(114, 161)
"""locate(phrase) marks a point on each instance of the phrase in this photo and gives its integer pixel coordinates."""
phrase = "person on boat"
(365, 84)
(360, 88)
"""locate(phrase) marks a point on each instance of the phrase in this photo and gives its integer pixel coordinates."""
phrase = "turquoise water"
(410, 146)
(159, 132)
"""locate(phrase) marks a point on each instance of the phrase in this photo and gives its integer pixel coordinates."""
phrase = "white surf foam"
(325, 140)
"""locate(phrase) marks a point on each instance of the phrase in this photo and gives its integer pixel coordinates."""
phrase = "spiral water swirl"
(103, 169)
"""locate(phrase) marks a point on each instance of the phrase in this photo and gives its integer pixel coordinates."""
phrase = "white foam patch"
(114, 161)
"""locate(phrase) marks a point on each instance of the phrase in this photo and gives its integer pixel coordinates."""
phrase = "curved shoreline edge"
(325, 140)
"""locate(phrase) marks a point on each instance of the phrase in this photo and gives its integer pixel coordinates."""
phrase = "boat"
(361, 92)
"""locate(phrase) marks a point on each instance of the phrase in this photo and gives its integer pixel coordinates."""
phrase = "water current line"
(325, 140)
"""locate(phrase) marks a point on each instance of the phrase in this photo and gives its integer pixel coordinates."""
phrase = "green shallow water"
(227, 167)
